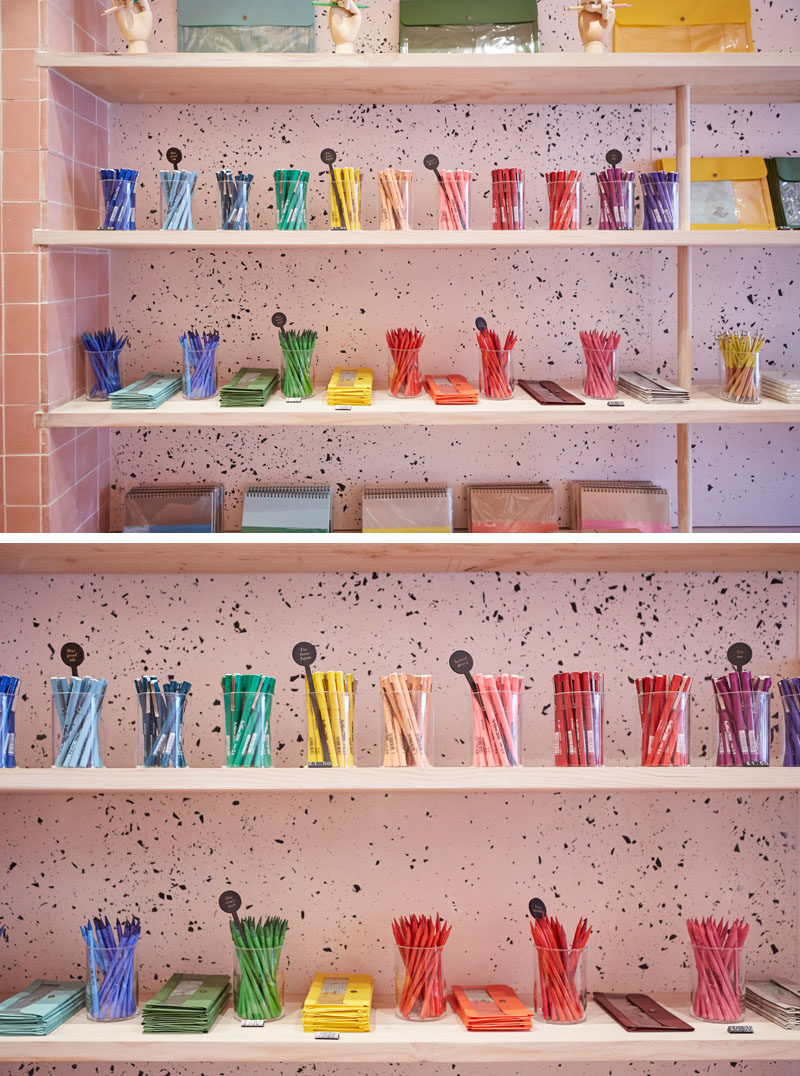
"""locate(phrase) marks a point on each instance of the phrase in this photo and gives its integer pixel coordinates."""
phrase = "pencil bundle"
(119, 199)
(664, 714)
(291, 191)
(564, 197)
(741, 372)
(454, 190)
(579, 718)
(234, 192)
(103, 349)
(162, 712)
(420, 990)
(395, 189)
(8, 692)
(345, 187)
(720, 987)
(495, 709)
(298, 351)
(77, 706)
(616, 199)
(562, 975)
(407, 719)
(248, 708)
(258, 990)
(790, 697)
(404, 346)
(329, 709)
(496, 378)
(177, 188)
(508, 199)
(199, 364)
(659, 201)
(742, 702)
(111, 988)
(600, 352)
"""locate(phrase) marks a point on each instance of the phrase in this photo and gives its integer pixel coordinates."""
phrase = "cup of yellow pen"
(330, 707)
(345, 189)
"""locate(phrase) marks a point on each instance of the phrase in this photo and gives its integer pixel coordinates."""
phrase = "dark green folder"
(469, 26)
(783, 177)
(187, 1004)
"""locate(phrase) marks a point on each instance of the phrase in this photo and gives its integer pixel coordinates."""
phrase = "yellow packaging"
(684, 26)
(728, 193)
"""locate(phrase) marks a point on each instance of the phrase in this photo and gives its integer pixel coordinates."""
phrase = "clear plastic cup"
(407, 726)
(161, 722)
(718, 984)
(579, 728)
(616, 203)
(454, 192)
(600, 376)
(234, 198)
(76, 727)
(404, 376)
(790, 700)
(199, 371)
(8, 758)
(118, 189)
(345, 191)
(177, 190)
(248, 733)
(394, 185)
(330, 727)
(496, 714)
(102, 373)
(259, 985)
(564, 198)
(508, 199)
(297, 371)
(291, 194)
(559, 988)
(743, 728)
(420, 990)
(665, 728)
(740, 376)
(496, 374)
(112, 983)
(659, 202)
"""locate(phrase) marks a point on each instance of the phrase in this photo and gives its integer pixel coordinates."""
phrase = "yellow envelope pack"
(684, 26)
(728, 193)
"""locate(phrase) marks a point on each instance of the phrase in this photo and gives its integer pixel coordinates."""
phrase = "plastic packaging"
(395, 190)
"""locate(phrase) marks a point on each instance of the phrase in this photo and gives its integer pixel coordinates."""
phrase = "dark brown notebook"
(549, 392)
(638, 1012)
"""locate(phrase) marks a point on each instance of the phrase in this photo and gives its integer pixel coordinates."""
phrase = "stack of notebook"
(338, 1003)
(41, 1007)
(183, 509)
(146, 394)
(650, 389)
(491, 1008)
(251, 387)
(779, 387)
(186, 1005)
(776, 999)
(450, 389)
(350, 388)
(406, 509)
(287, 510)
(522, 509)
(634, 507)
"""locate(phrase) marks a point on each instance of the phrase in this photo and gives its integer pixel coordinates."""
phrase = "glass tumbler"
(454, 190)
(330, 725)
(103, 373)
(559, 987)
(600, 377)
(162, 716)
(616, 200)
(395, 190)
(743, 727)
(665, 728)
(420, 990)
(77, 708)
(495, 710)
(259, 986)
(118, 187)
(564, 199)
(496, 374)
(790, 700)
(508, 199)
(234, 195)
(407, 722)
(291, 193)
(112, 982)
(718, 984)
(248, 740)
(404, 376)
(177, 189)
(579, 728)
(345, 188)
(659, 201)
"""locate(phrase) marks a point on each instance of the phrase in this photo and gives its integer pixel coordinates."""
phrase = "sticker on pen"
(72, 654)
(739, 655)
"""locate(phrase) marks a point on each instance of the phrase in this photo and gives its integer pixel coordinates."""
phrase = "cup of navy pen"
(234, 195)
(162, 712)
(8, 692)
(118, 187)
(103, 349)
(112, 974)
(199, 364)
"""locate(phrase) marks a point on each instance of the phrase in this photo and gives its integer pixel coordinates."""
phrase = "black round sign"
(328, 156)
(304, 653)
(613, 157)
(230, 901)
(480, 324)
(72, 654)
(174, 156)
(461, 661)
(279, 320)
(740, 654)
(431, 161)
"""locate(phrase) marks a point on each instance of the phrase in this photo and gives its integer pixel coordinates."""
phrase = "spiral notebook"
(633, 507)
(287, 510)
(406, 509)
(518, 508)
(182, 509)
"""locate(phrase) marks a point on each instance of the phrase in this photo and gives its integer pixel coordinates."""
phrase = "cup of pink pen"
(454, 188)
(600, 352)
(495, 708)
(719, 982)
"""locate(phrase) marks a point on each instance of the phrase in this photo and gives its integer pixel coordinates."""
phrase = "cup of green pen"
(297, 369)
(259, 986)
(248, 709)
(291, 191)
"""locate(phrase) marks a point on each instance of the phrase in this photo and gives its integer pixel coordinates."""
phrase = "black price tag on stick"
(480, 324)
(231, 902)
(328, 156)
(739, 655)
(72, 654)
(537, 908)
(174, 156)
(278, 319)
(613, 157)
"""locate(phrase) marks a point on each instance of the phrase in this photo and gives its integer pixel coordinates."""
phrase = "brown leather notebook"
(549, 392)
(638, 1012)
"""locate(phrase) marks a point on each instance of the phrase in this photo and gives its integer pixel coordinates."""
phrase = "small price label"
(537, 908)
(342, 407)
(739, 655)
(615, 403)
(613, 157)
(740, 1029)
(278, 319)
(72, 654)
(252, 1023)
(304, 654)
(431, 162)
(332, 1036)
(461, 662)
(293, 399)
(480, 324)
(328, 156)
(174, 156)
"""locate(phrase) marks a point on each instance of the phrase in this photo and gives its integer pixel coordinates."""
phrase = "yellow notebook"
(353, 387)
(728, 192)
(684, 26)
(338, 1003)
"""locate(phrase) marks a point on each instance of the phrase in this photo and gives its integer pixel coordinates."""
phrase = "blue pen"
(78, 704)
(8, 691)
(162, 712)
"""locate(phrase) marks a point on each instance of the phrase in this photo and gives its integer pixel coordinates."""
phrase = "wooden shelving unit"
(391, 1039)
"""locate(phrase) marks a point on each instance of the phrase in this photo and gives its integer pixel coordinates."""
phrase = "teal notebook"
(41, 1007)
(287, 510)
(147, 393)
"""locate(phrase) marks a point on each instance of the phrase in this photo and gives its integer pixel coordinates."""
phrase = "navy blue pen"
(8, 691)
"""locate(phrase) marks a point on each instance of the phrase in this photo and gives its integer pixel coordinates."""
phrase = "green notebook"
(250, 387)
(187, 1004)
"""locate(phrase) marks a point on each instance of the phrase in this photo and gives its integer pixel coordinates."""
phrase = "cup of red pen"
(578, 718)
(508, 199)
(564, 197)
(404, 348)
(495, 377)
(559, 988)
(743, 719)
(664, 705)
(600, 353)
(495, 708)
(718, 986)
(419, 982)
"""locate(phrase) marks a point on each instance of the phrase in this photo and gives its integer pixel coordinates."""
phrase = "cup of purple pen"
(616, 188)
(659, 201)
(199, 364)
(743, 719)
(790, 698)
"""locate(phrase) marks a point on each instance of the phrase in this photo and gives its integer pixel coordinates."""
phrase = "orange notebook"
(491, 1008)
(450, 389)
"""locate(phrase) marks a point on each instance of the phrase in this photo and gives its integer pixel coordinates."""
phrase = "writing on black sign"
(304, 653)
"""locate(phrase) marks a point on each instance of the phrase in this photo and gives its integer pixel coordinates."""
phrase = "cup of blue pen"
(103, 349)
(8, 691)
(248, 735)
(77, 713)
(234, 194)
(162, 718)
(118, 187)
(177, 190)
(112, 972)
(199, 364)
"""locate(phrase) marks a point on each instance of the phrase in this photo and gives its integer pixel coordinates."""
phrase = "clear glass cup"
(177, 190)
(248, 733)
(420, 990)
(394, 185)
(600, 376)
(659, 202)
(496, 374)
(407, 726)
(616, 203)
(559, 986)
(161, 723)
(8, 758)
(718, 984)
(118, 188)
(103, 373)
(743, 728)
(297, 371)
(345, 191)
(112, 983)
(740, 376)
(454, 191)
(790, 700)
(564, 199)
(665, 728)
(76, 725)
(579, 728)
(508, 199)
(496, 714)
(404, 376)
(234, 197)
(291, 194)
(199, 371)
(330, 727)
(259, 986)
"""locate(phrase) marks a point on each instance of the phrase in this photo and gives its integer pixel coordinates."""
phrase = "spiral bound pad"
(183, 509)
(406, 509)
(287, 510)
(522, 509)
(633, 507)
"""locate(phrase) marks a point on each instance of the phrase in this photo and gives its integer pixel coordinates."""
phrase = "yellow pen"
(319, 691)
(335, 711)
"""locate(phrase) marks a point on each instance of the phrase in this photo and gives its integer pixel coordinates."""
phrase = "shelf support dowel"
(683, 154)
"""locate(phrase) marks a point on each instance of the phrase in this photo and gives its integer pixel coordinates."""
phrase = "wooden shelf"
(349, 552)
(376, 779)
(704, 407)
(389, 78)
(418, 239)
(391, 1039)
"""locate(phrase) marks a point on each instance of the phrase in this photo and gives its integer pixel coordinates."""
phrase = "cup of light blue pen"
(77, 712)
(177, 190)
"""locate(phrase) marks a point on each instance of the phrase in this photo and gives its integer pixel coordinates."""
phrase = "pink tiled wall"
(53, 138)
